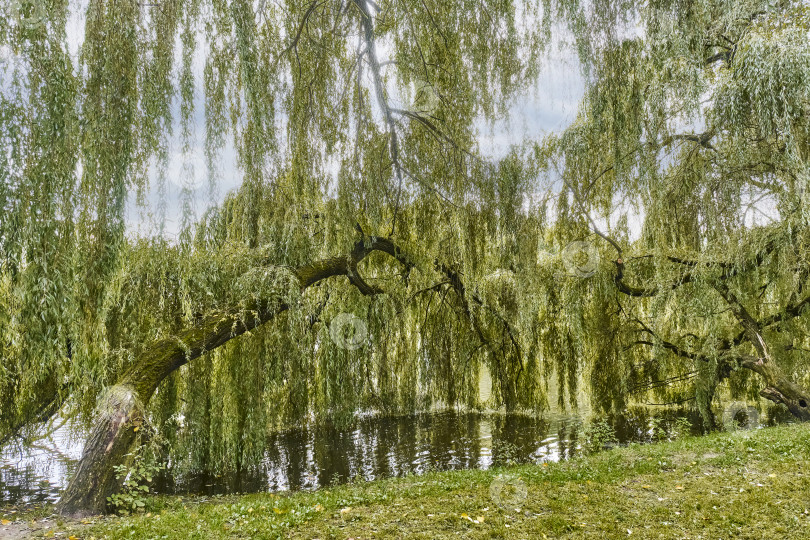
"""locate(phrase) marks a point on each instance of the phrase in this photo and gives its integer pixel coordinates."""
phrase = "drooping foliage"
(684, 173)
(698, 131)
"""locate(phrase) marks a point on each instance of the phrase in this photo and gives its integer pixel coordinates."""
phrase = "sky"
(549, 106)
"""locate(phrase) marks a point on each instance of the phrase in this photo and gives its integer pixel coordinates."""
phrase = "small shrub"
(682, 428)
(598, 435)
(137, 477)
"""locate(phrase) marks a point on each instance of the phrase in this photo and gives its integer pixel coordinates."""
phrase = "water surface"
(374, 447)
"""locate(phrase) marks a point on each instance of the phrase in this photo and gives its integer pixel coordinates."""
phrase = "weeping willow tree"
(699, 131)
(365, 198)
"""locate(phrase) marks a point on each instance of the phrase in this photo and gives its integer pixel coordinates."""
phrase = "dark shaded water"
(384, 447)
(375, 447)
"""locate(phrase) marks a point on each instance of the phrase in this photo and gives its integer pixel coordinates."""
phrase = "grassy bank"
(752, 484)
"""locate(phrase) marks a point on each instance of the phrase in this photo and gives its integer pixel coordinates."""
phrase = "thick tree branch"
(630, 290)
(728, 270)
(752, 328)
(702, 139)
(215, 329)
(779, 389)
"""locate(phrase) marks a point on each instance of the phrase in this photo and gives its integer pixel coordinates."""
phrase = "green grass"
(726, 485)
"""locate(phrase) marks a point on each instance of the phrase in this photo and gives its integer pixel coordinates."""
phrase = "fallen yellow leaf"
(318, 507)
(72, 537)
(49, 534)
(678, 487)
(645, 486)
(5, 522)
(277, 511)
(772, 475)
(480, 519)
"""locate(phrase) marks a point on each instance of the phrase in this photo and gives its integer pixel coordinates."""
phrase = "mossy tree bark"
(120, 413)
(779, 388)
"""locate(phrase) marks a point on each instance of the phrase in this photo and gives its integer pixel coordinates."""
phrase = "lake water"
(374, 447)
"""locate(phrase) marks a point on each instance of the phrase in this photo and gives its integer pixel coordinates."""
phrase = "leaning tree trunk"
(779, 388)
(119, 416)
(122, 408)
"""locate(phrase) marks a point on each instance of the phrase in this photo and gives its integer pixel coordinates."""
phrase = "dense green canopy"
(685, 172)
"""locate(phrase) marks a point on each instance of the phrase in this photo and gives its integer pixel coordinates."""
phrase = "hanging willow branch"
(162, 358)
